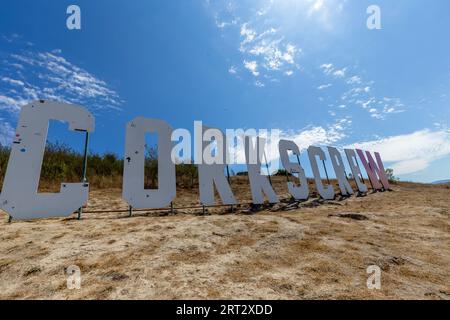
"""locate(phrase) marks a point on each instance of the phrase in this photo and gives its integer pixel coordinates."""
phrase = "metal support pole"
(85, 159)
(287, 176)
(9, 219)
(204, 210)
(267, 167)
(346, 178)
(228, 174)
(298, 161)
(229, 182)
(171, 207)
(326, 172)
(130, 211)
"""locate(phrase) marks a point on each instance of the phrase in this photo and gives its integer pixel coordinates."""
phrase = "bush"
(390, 175)
(62, 164)
(282, 172)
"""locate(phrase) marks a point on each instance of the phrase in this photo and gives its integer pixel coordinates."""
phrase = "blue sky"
(310, 68)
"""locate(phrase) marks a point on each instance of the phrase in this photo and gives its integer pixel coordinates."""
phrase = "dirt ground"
(310, 250)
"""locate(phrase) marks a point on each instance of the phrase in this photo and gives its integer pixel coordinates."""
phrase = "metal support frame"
(287, 176)
(229, 182)
(346, 177)
(200, 206)
(326, 171)
(85, 160)
(267, 167)
(298, 161)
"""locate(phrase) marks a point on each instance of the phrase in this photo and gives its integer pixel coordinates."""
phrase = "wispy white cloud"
(354, 80)
(261, 44)
(329, 69)
(324, 86)
(13, 81)
(361, 93)
(318, 135)
(252, 66)
(340, 73)
(410, 153)
(259, 84)
(232, 70)
(6, 132)
(28, 75)
(269, 50)
(50, 76)
(289, 73)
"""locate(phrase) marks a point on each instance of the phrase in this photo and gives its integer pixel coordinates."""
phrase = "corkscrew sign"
(20, 199)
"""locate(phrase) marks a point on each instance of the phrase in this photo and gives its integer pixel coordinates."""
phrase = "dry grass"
(318, 251)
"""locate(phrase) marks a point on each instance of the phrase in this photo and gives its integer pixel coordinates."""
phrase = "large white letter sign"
(327, 192)
(133, 191)
(356, 171)
(339, 169)
(19, 196)
(302, 191)
(259, 184)
(211, 171)
(375, 172)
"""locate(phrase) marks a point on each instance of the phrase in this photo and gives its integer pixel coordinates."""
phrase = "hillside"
(442, 182)
(311, 250)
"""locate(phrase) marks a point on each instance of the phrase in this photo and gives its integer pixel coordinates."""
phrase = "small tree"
(390, 175)
(151, 167)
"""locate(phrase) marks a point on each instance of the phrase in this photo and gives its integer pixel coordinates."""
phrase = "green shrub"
(62, 164)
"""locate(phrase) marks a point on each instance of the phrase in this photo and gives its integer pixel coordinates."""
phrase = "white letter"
(356, 172)
(339, 170)
(374, 21)
(211, 172)
(301, 192)
(19, 195)
(259, 184)
(134, 192)
(375, 172)
(74, 20)
(328, 192)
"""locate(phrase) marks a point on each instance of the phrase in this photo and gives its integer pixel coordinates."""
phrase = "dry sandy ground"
(320, 250)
